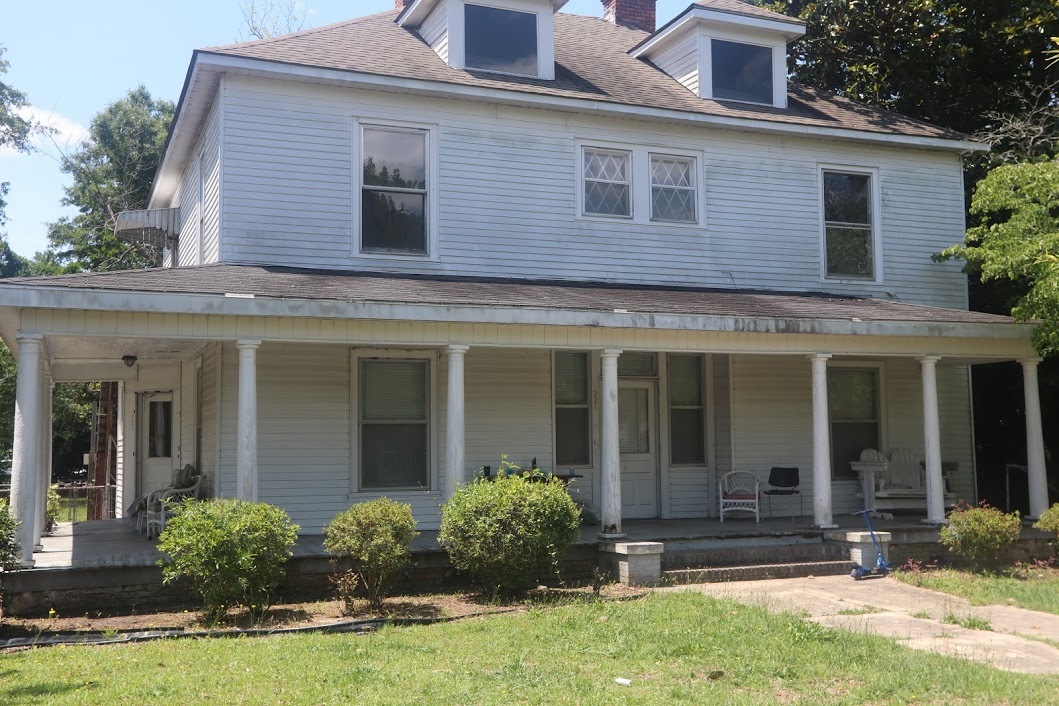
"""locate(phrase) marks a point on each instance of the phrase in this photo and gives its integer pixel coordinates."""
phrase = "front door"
(155, 443)
(638, 443)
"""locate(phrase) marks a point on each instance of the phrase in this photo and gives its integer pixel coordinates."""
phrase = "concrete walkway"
(911, 616)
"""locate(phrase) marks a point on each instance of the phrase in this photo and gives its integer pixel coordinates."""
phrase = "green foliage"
(232, 552)
(509, 530)
(52, 509)
(112, 171)
(1049, 521)
(377, 536)
(1018, 240)
(9, 549)
(979, 534)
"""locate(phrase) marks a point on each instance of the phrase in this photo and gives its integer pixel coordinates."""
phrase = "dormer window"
(500, 40)
(741, 72)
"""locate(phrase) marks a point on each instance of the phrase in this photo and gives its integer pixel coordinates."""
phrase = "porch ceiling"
(108, 349)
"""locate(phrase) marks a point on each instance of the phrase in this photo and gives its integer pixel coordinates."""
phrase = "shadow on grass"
(33, 693)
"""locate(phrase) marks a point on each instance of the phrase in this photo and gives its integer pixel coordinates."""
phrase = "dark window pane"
(571, 378)
(393, 221)
(633, 365)
(848, 439)
(500, 40)
(685, 381)
(742, 72)
(852, 394)
(849, 252)
(396, 158)
(847, 198)
(160, 431)
(571, 436)
(393, 456)
(393, 391)
(686, 437)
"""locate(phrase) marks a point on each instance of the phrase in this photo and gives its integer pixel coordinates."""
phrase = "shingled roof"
(592, 63)
(361, 287)
(738, 7)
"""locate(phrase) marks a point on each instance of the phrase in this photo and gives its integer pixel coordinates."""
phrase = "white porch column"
(246, 445)
(935, 484)
(1036, 470)
(455, 473)
(44, 479)
(26, 452)
(822, 513)
(610, 486)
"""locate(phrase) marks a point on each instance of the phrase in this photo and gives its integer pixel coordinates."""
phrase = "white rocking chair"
(739, 493)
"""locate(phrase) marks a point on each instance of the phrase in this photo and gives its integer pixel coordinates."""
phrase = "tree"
(265, 18)
(112, 172)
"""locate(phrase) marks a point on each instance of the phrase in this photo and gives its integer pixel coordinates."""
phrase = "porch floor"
(116, 543)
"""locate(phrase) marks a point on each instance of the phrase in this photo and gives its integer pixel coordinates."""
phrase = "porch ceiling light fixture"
(129, 360)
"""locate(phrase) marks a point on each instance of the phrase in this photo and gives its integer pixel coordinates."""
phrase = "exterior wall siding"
(435, 30)
(209, 408)
(206, 215)
(681, 61)
(508, 206)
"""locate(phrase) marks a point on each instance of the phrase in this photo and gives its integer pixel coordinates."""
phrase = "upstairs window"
(504, 41)
(741, 72)
(673, 189)
(608, 183)
(849, 238)
(394, 190)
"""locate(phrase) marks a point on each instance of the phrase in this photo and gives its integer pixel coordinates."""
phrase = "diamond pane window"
(607, 183)
(673, 189)
(849, 242)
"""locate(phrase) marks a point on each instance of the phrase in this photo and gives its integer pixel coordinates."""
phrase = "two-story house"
(400, 246)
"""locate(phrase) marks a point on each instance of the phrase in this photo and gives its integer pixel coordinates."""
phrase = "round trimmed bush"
(377, 535)
(10, 556)
(231, 552)
(1049, 522)
(979, 534)
(507, 531)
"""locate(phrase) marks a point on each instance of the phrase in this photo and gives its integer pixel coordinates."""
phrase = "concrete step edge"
(717, 574)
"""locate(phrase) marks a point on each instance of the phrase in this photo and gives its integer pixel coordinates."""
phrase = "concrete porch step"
(757, 572)
(722, 554)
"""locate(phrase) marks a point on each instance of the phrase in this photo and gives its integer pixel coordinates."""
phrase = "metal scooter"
(882, 567)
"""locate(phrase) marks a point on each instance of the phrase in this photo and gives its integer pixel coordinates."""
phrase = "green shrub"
(232, 552)
(1049, 522)
(507, 531)
(980, 533)
(52, 509)
(377, 536)
(10, 555)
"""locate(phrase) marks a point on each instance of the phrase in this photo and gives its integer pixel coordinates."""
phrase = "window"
(849, 240)
(607, 183)
(394, 424)
(500, 40)
(394, 190)
(160, 429)
(573, 417)
(687, 411)
(634, 435)
(741, 72)
(673, 189)
(853, 401)
(637, 365)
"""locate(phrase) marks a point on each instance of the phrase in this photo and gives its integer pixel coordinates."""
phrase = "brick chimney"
(636, 14)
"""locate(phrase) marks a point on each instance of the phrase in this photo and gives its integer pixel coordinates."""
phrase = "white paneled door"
(155, 443)
(638, 440)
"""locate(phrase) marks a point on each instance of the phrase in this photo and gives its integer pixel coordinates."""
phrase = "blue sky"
(72, 58)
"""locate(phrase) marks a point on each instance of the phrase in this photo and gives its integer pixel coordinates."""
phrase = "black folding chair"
(783, 481)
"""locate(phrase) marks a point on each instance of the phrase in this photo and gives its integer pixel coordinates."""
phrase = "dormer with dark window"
(726, 50)
(510, 37)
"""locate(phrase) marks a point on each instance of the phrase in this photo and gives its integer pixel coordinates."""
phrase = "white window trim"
(640, 183)
(779, 63)
(592, 394)
(355, 358)
(433, 188)
(880, 372)
(631, 181)
(875, 208)
(545, 34)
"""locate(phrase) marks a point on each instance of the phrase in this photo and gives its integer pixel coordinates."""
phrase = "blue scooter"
(882, 567)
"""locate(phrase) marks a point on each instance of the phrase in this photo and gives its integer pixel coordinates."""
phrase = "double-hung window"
(849, 230)
(640, 185)
(394, 190)
(607, 182)
(853, 401)
(573, 418)
(394, 423)
(673, 189)
(687, 411)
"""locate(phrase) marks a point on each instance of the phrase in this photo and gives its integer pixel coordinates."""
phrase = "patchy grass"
(922, 615)
(967, 621)
(1034, 588)
(863, 610)
(674, 648)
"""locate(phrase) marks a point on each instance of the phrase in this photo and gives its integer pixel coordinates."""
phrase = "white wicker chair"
(739, 493)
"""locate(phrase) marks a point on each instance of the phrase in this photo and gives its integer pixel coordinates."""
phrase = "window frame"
(430, 357)
(431, 197)
(630, 182)
(880, 400)
(705, 374)
(779, 63)
(590, 405)
(640, 181)
(521, 11)
(874, 215)
(457, 44)
(772, 69)
(694, 188)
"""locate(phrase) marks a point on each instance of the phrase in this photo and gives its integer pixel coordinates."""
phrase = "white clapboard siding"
(210, 406)
(681, 61)
(507, 197)
(204, 216)
(187, 243)
(772, 421)
(435, 30)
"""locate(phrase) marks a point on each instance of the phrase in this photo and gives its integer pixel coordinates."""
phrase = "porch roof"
(260, 285)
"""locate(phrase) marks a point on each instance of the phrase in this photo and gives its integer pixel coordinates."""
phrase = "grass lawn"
(1032, 589)
(676, 648)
